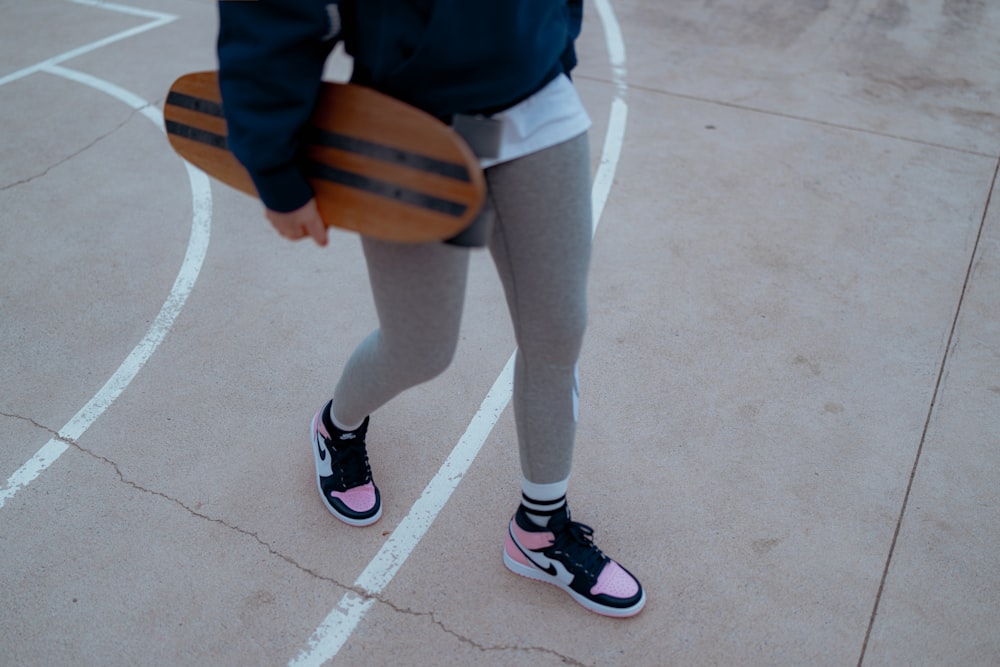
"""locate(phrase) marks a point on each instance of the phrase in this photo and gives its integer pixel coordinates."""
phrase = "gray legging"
(540, 244)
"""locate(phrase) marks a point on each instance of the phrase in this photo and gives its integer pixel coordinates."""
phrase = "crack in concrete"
(52, 432)
(380, 599)
(201, 515)
(193, 512)
(76, 153)
(484, 648)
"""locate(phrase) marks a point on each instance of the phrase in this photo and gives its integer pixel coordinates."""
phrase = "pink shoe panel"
(532, 541)
(359, 499)
(615, 582)
(515, 553)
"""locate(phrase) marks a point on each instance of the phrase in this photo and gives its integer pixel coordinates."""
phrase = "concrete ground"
(791, 381)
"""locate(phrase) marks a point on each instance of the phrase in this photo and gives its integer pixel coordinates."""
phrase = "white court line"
(131, 99)
(201, 198)
(327, 640)
(159, 19)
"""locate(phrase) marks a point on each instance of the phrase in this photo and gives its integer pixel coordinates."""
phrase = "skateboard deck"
(378, 166)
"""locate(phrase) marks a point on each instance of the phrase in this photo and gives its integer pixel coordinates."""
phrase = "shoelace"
(350, 459)
(575, 541)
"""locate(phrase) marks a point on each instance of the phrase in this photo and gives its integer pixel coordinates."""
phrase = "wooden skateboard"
(377, 165)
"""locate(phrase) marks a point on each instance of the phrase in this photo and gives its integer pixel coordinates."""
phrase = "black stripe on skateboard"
(199, 104)
(197, 134)
(389, 154)
(385, 189)
(327, 139)
(346, 178)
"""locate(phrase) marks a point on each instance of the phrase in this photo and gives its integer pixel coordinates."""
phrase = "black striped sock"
(539, 511)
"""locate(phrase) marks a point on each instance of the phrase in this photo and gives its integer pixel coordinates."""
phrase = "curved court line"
(201, 200)
(327, 640)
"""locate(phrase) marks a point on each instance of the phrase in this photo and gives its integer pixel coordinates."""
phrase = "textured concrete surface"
(791, 380)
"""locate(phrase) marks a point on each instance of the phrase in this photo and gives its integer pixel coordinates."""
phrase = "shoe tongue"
(560, 520)
(340, 437)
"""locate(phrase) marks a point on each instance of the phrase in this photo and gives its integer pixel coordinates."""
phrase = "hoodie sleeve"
(575, 8)
(574, 15)
(271, 56)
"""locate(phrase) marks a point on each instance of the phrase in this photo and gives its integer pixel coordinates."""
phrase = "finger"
(317, 230)
(312, 223)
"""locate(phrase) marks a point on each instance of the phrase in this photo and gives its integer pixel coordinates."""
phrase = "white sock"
(540, 501)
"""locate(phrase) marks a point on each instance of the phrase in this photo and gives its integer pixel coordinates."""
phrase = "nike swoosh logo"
(322, 451)
(550, 569)
(555, 569)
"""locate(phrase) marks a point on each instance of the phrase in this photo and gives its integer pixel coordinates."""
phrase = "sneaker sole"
(537, 575)
(313, 435)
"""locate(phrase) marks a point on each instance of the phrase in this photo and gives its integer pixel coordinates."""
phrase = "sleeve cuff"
(283, 190)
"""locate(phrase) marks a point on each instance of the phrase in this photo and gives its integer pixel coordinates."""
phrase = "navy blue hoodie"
(443, 56)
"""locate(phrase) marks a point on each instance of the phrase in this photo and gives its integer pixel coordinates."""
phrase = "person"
(506, 66)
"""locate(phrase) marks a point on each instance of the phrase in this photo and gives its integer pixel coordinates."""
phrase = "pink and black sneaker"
(564, 554)
(343, 475)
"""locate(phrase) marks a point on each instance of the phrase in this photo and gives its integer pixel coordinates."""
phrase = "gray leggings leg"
(541, 247)
(419, 291)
